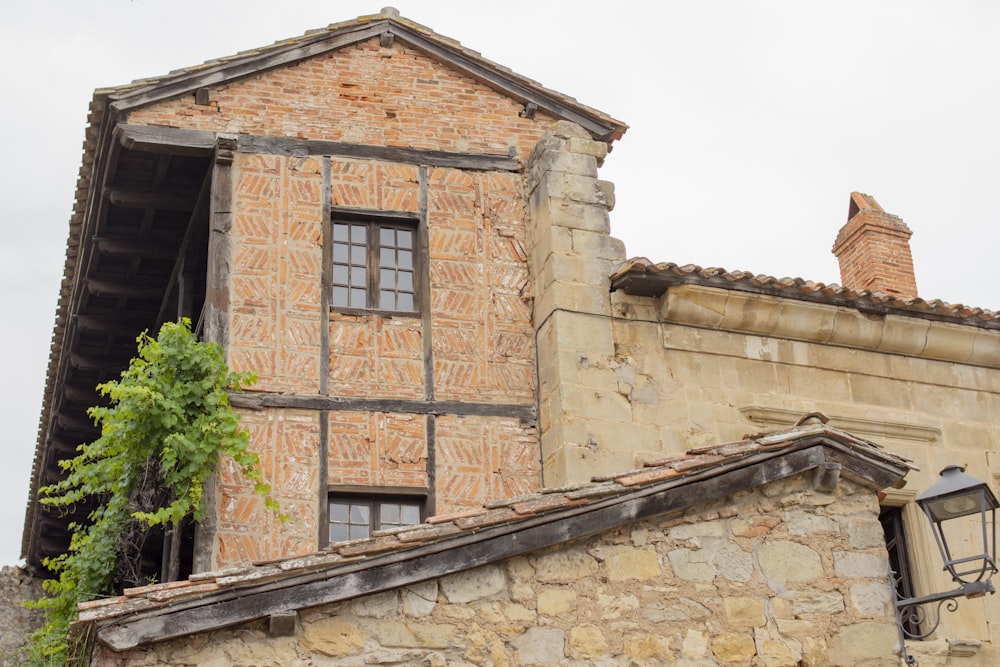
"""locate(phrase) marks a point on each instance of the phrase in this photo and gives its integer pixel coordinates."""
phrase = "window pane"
(390, 514)
(340, 296)
(359, 276)
(358, 299)
(340, 252)
(405, 258)
(404, 301)
(338, 512)
(404, 238)
(387, 300)
(359, 255)
(404, 281)
(387, 257)
(339, 232)
(387, 279)
(360, 514)
(409, 515)
(358, 233)
(338, 532)
(358, 532)
(340, 274)
(387, 236)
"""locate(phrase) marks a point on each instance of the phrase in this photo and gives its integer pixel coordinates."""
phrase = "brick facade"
(479, 315)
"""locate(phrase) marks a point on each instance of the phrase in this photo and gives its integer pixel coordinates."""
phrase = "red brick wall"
(480, 308)
(873, 250)
(362, 94)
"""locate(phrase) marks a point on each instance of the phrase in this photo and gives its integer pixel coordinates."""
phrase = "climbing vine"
(167, 423)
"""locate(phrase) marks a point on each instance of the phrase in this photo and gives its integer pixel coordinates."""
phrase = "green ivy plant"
(167, 423)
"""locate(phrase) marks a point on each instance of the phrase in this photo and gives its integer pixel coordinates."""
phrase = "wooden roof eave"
(81, 229)
(599, 125)
(346, 580)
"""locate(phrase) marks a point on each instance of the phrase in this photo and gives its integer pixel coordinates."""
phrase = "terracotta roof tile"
(638, 275)
(667, 473)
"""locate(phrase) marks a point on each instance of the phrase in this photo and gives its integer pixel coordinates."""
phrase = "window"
(374, 264)
(353, 517)
(899, 558)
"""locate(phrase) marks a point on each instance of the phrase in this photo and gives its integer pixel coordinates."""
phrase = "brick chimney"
(873, 249)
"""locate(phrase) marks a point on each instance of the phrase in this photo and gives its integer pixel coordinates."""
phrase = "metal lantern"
(955, 496)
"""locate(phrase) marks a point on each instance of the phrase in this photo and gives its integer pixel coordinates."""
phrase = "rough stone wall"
(705, 365)
(365, 94)
(17, 622)
(586, 428)
(779, 576)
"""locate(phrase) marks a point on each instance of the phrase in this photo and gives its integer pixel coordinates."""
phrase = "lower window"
(356, 516)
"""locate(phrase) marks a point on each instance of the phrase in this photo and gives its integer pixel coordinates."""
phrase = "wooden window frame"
(375, 221)
(375, 498)
(900, 560)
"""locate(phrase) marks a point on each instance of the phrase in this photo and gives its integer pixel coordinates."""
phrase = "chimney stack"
(873, 249)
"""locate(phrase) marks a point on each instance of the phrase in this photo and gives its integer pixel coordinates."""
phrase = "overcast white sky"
(750, 124)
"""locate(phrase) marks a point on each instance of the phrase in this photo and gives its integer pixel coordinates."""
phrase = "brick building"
(410, 245)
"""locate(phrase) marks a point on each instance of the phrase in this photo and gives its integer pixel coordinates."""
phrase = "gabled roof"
(448, 544)
(641, 277)
(387, 26)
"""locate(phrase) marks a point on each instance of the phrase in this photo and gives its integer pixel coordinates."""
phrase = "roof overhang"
(449, 545)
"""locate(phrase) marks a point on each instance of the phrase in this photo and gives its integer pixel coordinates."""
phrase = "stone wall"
(16, 621)
(778, 576)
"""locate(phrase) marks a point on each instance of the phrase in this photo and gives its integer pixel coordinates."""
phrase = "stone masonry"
(586, 424)
(16, 620)
(781, 575)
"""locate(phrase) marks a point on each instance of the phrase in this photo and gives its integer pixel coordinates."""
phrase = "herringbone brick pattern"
(287, 442)
(377, 449)
(484, 458)
(277, 262)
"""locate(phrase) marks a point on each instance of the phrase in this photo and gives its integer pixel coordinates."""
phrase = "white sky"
(750, 124)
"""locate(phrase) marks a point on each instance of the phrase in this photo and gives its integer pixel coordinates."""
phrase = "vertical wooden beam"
(430, 425)
(220, 223)
(326, 280)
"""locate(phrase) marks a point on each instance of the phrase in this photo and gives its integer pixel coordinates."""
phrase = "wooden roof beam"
(178, 200)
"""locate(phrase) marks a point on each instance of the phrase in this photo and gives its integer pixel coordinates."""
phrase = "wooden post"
(220, 219)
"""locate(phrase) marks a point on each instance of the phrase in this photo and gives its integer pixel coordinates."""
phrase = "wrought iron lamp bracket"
(913, 611)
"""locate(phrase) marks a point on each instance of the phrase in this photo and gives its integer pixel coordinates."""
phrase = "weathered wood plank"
(304, 147)
(163, 199)
(460, 553)
(207, 76)
(256, 401)
(131, 290)
(121, 247)
(169, 140)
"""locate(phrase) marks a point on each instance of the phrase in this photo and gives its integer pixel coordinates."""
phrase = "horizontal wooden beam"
(128, 289)
(164, 199)
(257, 401)
(302, 147)
(167, 140)
(160, 140)
(124, 247)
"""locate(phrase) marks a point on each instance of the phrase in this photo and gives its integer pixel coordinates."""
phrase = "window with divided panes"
(374, 264)
(356, 517)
